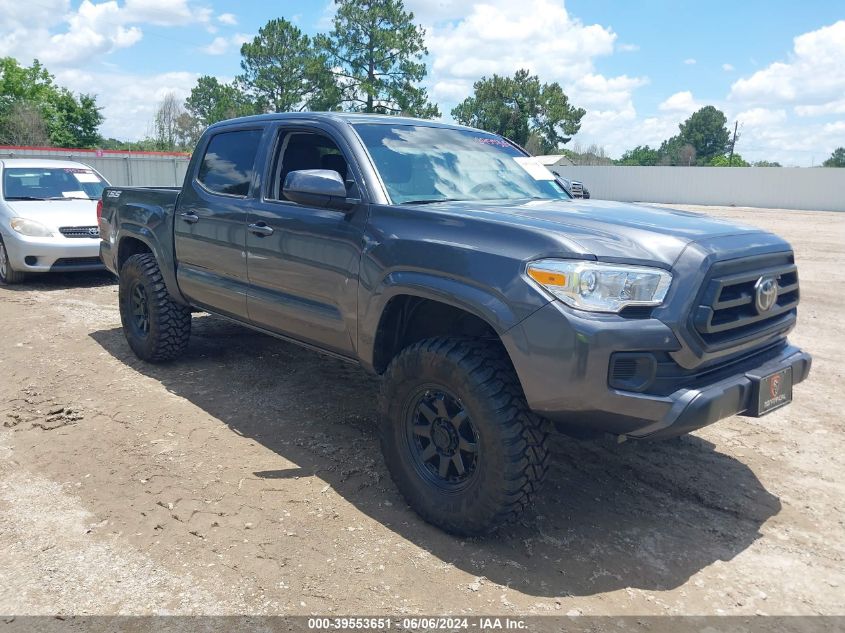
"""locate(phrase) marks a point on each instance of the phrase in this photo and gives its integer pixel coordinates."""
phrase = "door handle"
(261, 229)
(190, 218)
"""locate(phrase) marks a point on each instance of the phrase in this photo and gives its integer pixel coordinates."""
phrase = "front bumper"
(52, 254)
(562, 357)
(695, 408)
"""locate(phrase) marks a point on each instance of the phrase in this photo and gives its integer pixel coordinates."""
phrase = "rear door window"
(228, 166)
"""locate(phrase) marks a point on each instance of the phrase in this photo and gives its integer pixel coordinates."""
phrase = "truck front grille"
(80, 231)
(727, 312)
(577, 189)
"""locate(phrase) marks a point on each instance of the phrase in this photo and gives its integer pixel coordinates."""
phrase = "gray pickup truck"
(446, 260)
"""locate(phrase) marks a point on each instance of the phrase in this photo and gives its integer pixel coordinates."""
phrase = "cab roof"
(350, 118)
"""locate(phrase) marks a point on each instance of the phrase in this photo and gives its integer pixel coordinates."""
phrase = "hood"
(611, 230)
(56, 213)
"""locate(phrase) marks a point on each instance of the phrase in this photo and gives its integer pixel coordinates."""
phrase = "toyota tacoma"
(452, 264)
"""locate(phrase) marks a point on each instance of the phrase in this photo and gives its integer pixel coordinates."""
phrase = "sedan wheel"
(7, 274)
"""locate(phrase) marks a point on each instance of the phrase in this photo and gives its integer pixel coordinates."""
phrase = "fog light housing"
(631, 371)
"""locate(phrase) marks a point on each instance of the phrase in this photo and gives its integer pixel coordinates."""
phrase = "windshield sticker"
(534, 167)
(487, 140)
(75, 194)
(86, 176)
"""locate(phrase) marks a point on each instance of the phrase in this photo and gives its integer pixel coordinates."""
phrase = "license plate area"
(771, 392)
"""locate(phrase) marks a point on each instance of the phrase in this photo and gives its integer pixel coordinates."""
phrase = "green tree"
(75, 121)
(284, 72)
(766, 163)
(23, 124)
(70, 121)
(144, 145)
(375, 51)
(676, 151)
(705, 130)
(724, 160)
(593, 155)
(837, 158)
(188, 131)
(518, 106)
(165, 130)
(211, 101)
(33, 84)
(640, 155)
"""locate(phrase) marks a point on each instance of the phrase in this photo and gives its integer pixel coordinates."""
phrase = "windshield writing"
(429, 164)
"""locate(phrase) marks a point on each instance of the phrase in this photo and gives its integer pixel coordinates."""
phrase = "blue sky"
(639, 68)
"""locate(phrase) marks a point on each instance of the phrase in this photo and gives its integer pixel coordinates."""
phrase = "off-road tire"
(8, 275)
(168, 326)
(512, 442)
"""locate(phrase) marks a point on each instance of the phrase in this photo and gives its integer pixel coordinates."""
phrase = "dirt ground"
(247, 478)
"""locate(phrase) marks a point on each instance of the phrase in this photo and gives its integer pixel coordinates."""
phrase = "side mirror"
(317, 188)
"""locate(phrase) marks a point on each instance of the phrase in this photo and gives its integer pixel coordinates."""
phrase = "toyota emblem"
(94, 231)
(765, 294)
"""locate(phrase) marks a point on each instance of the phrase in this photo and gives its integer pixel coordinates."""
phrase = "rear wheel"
(7, 274)
(156, 327)
(458, 437)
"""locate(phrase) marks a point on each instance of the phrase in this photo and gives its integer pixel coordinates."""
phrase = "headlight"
(599, 287)
(30, 228)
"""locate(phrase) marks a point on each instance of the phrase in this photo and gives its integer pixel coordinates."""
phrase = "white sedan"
(48, 217)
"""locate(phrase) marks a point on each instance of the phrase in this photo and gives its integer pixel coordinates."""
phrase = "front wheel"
(156, 327)
(457, 435)
(8, 275)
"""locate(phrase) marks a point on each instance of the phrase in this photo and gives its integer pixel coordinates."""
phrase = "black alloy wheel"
(442, 439)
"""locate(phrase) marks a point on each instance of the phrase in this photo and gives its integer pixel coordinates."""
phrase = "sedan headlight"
(30, 228)
(600, 287)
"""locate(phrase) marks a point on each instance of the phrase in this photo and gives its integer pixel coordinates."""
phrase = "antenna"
(733, 144)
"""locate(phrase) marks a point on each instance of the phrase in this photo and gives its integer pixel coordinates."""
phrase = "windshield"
(52, 183)
(421, 164)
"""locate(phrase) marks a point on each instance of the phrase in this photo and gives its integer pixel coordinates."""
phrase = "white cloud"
(791, 109)
(596, 91)
(62, 37)
(326, 20)
(469, 40)
(130, 102)
(813, 78)
(504, 36)
(837, 106)
(784, 106)
(682, 102)
(689, 61)
(436, 11)
(163, 12)
(218, 46)
(761, 117)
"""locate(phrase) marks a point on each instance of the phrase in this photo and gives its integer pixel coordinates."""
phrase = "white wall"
(820, 189)
(119, 168)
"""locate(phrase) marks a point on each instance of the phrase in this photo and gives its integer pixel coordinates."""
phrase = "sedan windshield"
(420, 164)
(63, 183)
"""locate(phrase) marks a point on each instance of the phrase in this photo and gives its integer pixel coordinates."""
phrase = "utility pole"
(733, 144)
